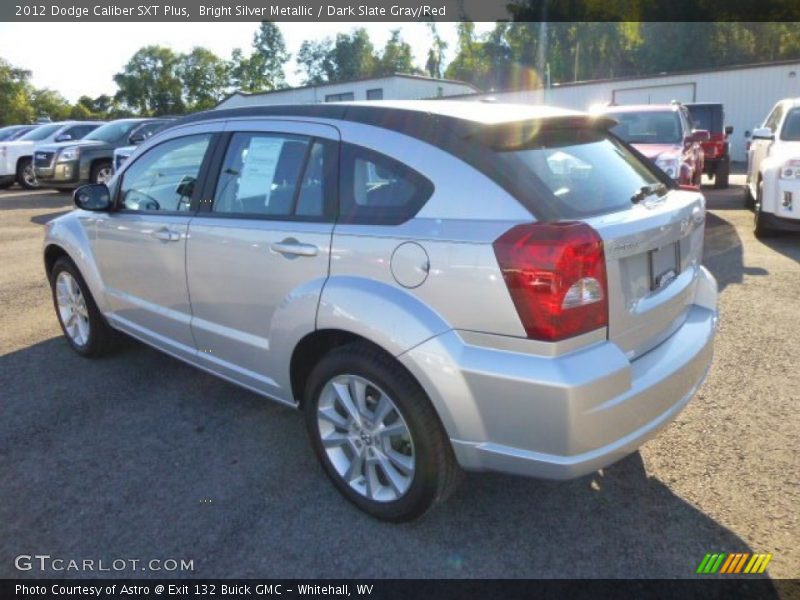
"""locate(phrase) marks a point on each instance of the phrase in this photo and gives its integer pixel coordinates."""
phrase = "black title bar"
(400, 10)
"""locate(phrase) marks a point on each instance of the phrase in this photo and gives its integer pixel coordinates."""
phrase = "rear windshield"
(707, 117)
(648, 127)
(586, 171)
(41, 133)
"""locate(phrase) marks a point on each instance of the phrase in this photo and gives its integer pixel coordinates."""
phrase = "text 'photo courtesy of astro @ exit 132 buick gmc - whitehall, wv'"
(339, 287)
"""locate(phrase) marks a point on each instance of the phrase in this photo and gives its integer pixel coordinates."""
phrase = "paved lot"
(140, 456)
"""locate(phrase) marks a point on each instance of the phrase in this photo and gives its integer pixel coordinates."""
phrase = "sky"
(79, 59)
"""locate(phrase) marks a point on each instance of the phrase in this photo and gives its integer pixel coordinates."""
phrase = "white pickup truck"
(16, 157)
(773, 171)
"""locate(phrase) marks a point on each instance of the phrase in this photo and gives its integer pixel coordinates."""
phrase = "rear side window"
(584, 172)
(79, 131)
(377, 189)
(276, 176)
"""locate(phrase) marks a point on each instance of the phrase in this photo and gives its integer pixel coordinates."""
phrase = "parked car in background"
(320, 255)
(710, 116)
(663, 133)
(773, 170)
(138, 135)
(67, 165)
(16, 157)
(12, 132)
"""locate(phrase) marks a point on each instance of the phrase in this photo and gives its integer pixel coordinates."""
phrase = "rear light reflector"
(556, 275)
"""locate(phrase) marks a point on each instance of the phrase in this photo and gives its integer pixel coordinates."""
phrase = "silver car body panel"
(428, 291)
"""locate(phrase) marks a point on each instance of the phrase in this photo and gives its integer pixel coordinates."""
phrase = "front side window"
(378, 189)
(275, 176)
(163, 179)
(648, 127)
(586, 172)
(79, 131)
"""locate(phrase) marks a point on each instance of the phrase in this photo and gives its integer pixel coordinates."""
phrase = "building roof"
(345, 82)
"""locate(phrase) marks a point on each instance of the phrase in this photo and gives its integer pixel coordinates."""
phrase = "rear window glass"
(586, 172)
(707, 117)
(648, 127)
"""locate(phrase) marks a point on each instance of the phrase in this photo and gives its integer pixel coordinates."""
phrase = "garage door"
(656, 94)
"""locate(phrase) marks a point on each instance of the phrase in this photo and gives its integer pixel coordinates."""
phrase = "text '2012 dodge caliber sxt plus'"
(437, 285)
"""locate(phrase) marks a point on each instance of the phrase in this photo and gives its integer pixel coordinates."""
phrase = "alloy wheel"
(29, 176)
(72, 309)
(365, 437)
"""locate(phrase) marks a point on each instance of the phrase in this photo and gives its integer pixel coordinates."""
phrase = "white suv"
(16, 158)
(773, 170)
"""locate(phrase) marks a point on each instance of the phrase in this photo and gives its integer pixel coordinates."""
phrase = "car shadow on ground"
(140, 456)
(15, 199)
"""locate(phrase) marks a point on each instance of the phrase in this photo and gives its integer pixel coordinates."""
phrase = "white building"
(392, 87)
(748, 92)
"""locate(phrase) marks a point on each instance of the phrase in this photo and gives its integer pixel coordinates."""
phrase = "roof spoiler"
(520, 134)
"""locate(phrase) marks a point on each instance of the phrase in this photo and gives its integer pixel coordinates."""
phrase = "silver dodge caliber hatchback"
(436, 285)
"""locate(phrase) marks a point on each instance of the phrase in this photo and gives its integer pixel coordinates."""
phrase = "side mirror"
(94, 196)
(763, 133)
(136, 138)
(700, 135)
(64, 137)
(728, 129)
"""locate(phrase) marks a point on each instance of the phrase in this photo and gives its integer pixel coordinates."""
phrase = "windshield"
(40, 133)
(648, 127)
(587, 171)
(112, 132)
(791, 126)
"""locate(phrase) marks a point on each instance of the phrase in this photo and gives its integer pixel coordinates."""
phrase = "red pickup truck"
(711, 116)
(664, 134)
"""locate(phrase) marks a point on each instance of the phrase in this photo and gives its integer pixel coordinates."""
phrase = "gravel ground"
(138, 456)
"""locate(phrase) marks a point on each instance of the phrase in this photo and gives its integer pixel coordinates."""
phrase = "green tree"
(49, 103)
(263, 70)
(434, 66)
(205, 78)
(353, 56)
(315, 61)
(396, 57)
(150, 82)
(14, 95)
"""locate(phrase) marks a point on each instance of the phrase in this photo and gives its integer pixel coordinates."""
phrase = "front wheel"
(377, 435)
(84, 327)
(760, 229)
(26, 177)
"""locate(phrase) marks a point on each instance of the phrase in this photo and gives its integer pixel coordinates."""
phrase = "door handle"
(166, 235)
(291, 247)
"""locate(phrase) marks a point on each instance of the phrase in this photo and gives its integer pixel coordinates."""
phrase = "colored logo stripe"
(734, 563)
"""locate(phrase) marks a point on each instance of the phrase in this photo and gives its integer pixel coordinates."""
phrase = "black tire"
(101, 339)
(749, 201)
(100, 168)
(436, 472)
(760, 229)
(723, 172)
(24, 178)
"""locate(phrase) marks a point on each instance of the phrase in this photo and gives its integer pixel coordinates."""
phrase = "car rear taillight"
(556, 275)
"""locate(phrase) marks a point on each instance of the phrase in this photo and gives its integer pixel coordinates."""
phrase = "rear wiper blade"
(648, 190)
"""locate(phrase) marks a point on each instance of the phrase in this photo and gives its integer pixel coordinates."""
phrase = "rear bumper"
(781, 223)
(561, 417)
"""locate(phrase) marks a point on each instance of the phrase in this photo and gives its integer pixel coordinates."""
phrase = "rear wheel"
(84, 327)
(723, 172)
(25, 175)
(102, 172)
(376, 434)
